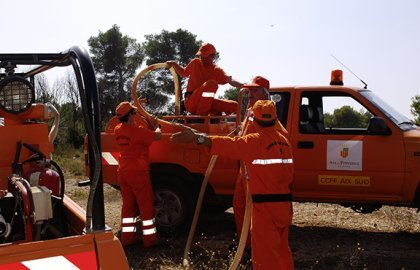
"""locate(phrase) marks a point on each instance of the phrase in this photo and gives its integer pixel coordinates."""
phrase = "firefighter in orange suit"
(267, 158)
(204, 78)
(133, 175)
(258, 89)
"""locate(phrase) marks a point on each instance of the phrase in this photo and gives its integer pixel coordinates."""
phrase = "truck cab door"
(337, 159)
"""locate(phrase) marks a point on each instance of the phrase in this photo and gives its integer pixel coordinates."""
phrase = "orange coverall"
(268, 157)
(239, 195)
(133, 175)
(201, 89)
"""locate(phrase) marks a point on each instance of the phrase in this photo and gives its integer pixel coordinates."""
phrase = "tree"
(231, 94)
(328, 119)
(71, 129)
(157, 86)
(180, 45)
(347, 117)
(42, 89)
(116, 58)
(415, 108)
(44, 93)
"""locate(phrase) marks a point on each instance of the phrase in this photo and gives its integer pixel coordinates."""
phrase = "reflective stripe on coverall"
(202, 87)
(239, 195)
(133, 175)
(268, 157)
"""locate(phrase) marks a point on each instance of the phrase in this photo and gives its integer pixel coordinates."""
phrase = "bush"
(70, 159)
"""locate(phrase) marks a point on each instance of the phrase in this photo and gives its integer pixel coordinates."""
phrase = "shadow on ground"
(332, 248)
(313, 248)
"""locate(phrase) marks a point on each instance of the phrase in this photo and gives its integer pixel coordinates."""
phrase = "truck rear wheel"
(173, 205)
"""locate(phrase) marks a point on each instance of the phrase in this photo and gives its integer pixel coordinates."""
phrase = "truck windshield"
(400, 120)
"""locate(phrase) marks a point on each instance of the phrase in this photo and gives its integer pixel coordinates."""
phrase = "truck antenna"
(349, 70)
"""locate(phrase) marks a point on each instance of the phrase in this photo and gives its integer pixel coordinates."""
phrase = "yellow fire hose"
(244, 233)
(247, 217)
(185, 261)
(175, 127)
(138, 78)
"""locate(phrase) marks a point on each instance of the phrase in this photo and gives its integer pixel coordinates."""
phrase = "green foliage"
(180, 46)
(328, 119)
(231, 93)
(70, 160)
(347, 117)
(415, 108)
(115, 55)
(152, 88)
(116, 58)
(71, 130)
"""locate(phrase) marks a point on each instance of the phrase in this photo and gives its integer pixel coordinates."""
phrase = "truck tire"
(173, 204)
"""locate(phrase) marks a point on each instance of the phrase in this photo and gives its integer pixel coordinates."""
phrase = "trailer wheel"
(173, 205)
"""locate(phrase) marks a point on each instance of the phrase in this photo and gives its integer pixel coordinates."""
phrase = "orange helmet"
(123, 108)
(264, 110)
(258, 81)
(206, 49)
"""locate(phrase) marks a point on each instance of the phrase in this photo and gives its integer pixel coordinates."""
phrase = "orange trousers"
(137, 198)
(270, 236)
(202, 101)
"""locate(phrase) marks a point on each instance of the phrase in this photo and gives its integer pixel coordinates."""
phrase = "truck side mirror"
(378, 126)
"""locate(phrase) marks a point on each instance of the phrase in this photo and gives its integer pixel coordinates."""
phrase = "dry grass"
(70, 160)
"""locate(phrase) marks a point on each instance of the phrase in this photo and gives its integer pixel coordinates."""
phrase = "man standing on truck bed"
(267, 156)
(133, 175)
(204, 78)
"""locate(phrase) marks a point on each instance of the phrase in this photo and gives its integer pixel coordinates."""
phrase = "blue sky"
(289, 42)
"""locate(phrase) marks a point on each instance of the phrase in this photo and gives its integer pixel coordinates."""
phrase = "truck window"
(400, 120)
(332, 114)
(282, 101)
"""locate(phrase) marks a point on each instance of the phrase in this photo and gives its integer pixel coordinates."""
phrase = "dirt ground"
(323, 236)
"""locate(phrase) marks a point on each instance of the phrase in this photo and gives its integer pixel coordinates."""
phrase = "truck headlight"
(16, 94)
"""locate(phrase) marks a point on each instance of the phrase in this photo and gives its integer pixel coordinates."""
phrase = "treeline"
(117, 58)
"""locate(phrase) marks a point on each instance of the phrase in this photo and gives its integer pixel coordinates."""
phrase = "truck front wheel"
(173, 205)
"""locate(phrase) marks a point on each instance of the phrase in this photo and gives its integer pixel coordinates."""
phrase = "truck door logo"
(344, 152)
(343, 155)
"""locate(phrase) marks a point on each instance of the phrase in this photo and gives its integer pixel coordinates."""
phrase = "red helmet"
(123, 108)
(258, 81)
(206, 49)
